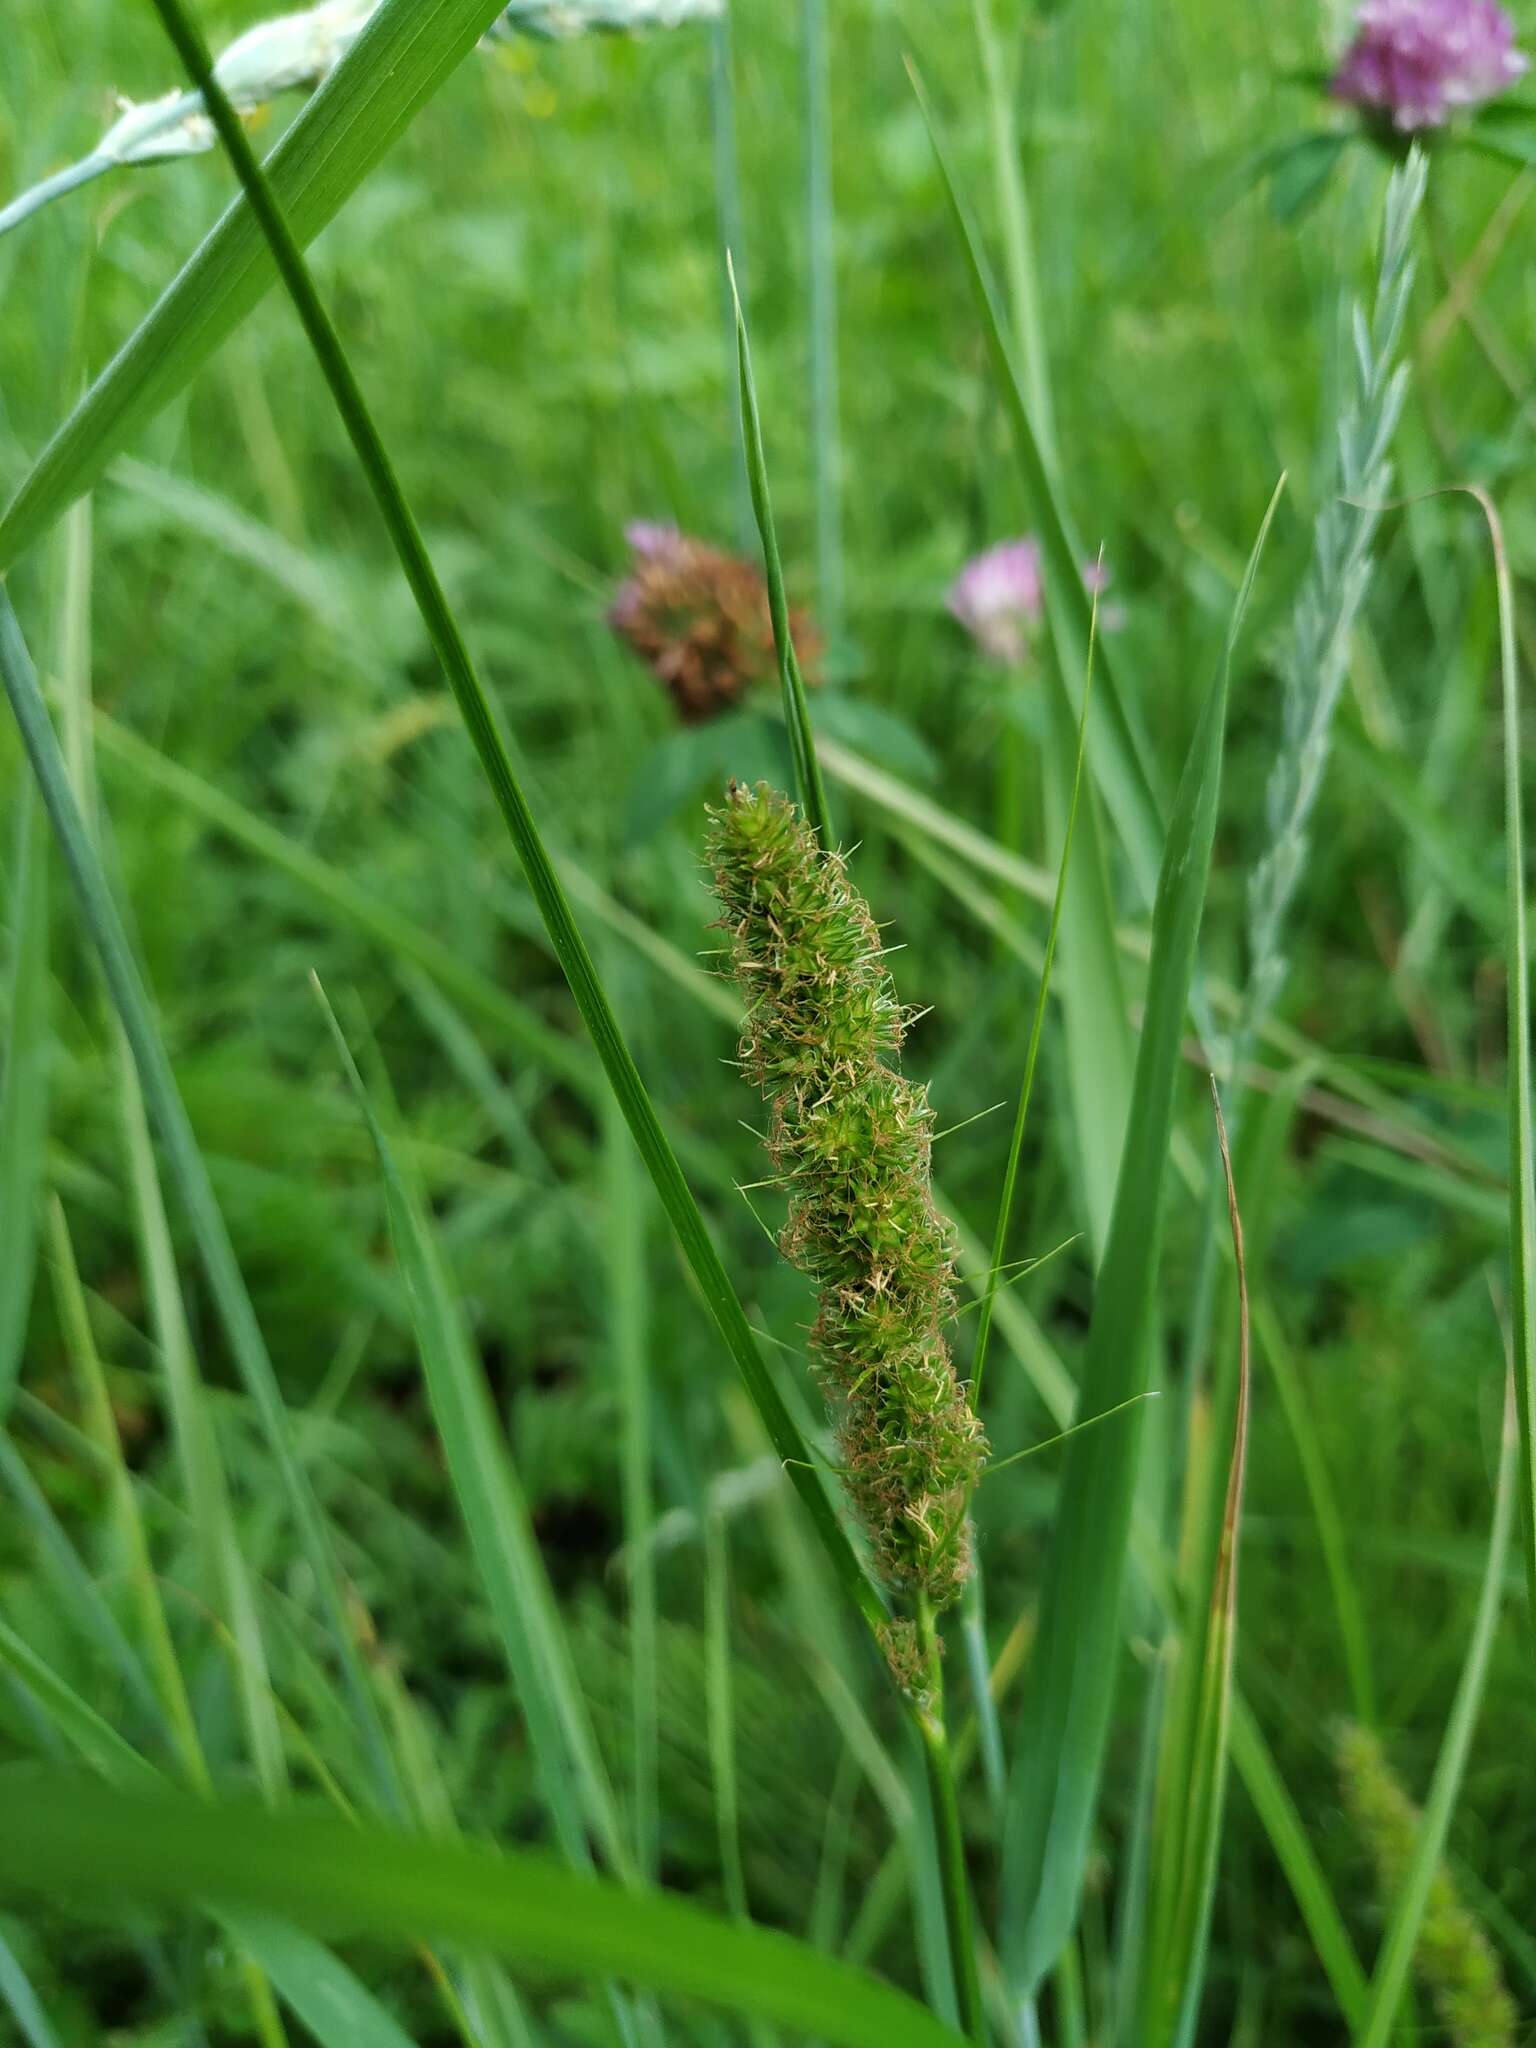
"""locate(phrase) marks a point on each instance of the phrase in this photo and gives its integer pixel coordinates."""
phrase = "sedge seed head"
(852, 1138)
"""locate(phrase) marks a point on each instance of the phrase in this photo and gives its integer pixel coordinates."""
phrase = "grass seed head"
(852, 1139)
(1454, 1957)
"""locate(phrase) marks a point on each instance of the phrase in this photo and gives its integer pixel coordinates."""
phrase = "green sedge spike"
(851, 1138)
(1454, 1958)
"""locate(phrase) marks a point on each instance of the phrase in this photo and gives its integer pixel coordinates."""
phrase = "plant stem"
(946, 1820)
(821, 258)
(489, 742)
(1017, 232)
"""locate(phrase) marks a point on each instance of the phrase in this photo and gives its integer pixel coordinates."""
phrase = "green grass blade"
(164, 1102)
(1006, 1200)
(973, 1614)
(720, 1712)
(1067, 1702)
(71, 1589)
(96, 1741)
(23, 1085)
(333, 2004)
(226, 1578)
(358, 906)
(101, 1426)
(26, 2007)
(1390, 1979)
(1522, 1163)
(888, 793)
(1293, 1849)
(393, 69)
(77, 1843)
(821, 259)
(225, 1573)
(1112, 747)
(809, 786)
(496, 1518)
(918, 819)
(628, 1323)
(1013, 209)
(324, 1993)
(1187, 1829)
(1323, 1500)
(570, 948)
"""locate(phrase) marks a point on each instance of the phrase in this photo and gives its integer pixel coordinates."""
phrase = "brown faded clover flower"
(698, 618)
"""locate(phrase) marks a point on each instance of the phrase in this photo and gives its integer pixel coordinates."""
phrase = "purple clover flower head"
(1416, 61)
(998, 598)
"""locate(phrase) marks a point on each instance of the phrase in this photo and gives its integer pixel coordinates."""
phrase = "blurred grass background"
(530, 289)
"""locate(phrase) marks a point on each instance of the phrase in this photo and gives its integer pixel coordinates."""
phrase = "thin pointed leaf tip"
(851, 1139)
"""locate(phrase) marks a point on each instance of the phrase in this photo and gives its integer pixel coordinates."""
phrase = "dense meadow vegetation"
(431, 1608)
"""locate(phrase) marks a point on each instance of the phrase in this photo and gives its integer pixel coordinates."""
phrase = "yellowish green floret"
(1454, 1957)
(851, 1140)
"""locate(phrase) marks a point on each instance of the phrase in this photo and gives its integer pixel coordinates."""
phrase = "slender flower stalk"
(1455, 1958)
(851, 1137)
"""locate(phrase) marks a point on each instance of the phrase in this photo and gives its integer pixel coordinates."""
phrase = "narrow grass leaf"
(163, 1100)
(1324, 1503)
(23, 1084)
(485, 733)
(821, 261)
(628, 1323)
(225, 1572)
(496, 1518)
(1288, 1837)
(1390, 1979)
(1187, 1830)
(71, 1589)
(79, 1843)
(336, 2007)
(26, 2008)
(350, 901)
(919, 819)
(344, 130)
(100, 1421)
(1008, 1196)
(324, 1993)
(1517, 974)
(96, 1741)
(797, 711)
(1112, 746)
(1067, 1702)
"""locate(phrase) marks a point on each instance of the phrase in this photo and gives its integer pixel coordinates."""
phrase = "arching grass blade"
(76, 1842)
(565, 938)
(809, 786)
(23, 1084)
(1070, 1689)
(391, 71)
(1390, 1979)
